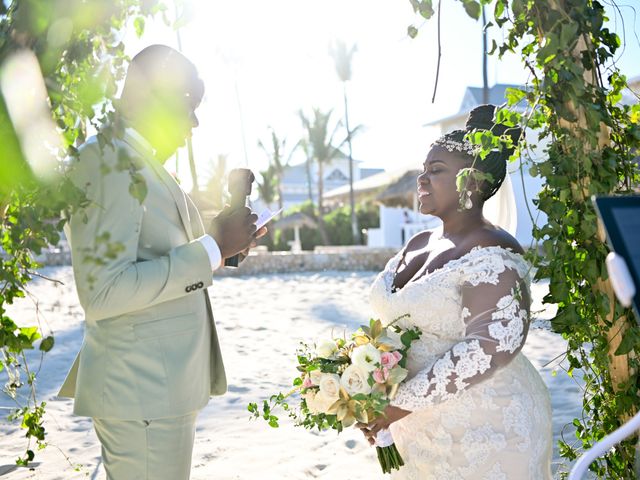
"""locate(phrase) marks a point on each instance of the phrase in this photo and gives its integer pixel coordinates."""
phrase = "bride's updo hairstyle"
(495, 163)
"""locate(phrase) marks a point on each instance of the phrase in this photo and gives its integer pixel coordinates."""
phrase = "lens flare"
(26, 99)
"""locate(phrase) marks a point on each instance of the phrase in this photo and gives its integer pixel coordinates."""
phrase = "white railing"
(603, 446)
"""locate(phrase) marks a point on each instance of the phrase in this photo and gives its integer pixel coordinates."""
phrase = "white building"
(296, 187)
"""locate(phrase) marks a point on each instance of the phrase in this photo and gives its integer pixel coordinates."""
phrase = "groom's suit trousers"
(157, 449)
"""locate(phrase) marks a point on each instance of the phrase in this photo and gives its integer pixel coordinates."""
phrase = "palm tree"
(342, 56)
(276, 156)
(308, 163)
(181, 19)
(320, 144)
(216, 186)
(267, 187)
(485, 82)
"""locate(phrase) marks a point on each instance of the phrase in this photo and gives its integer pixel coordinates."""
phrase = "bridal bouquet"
(349, 379)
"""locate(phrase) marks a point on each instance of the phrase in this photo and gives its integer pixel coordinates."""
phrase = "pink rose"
(307, 382)
(390, 359)
(380, 375)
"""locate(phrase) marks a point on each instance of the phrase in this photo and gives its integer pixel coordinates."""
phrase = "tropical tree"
(57, 79)
(342, 56)
(574, 103)
(268, 186)
(183, 12)
(308, 165)
(217, 183)
(323, 151)
(276, 155)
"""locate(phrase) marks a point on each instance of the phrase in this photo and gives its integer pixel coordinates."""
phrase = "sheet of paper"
(265, 217)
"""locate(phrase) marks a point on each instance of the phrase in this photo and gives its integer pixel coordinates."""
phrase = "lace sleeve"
(495, 310)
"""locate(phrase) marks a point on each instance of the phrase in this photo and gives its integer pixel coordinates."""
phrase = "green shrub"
(337, 223)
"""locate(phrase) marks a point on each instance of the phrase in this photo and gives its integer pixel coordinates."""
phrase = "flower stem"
(389, 458)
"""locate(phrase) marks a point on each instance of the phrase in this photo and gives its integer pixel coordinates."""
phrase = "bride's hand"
(391, 414)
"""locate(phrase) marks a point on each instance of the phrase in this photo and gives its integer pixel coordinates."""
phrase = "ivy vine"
(79, 52)
(573, 103)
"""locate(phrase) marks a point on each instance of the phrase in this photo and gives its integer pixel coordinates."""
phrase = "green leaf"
(412, 31)
(472, 8)
(630, 340)
(46, 344)
(376, 328)
(568, 33)
(408, 337)
(138, 187)
(138, 24)
(30, 333)
(397, 375)
(426, 9)
(273, 422)
(494, 46)
(518, 7)
(514, 95)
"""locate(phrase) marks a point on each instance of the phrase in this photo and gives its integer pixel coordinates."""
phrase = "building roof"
(401, 192)
(295, 173)
(297, 219)
(473, 97)
(298, 173)
(370, 185)
(367, 172)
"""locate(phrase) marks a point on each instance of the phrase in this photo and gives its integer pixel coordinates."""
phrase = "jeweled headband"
(456, 146)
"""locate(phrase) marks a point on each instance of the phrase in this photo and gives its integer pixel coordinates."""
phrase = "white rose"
(315, 376)
(309, 399)
(330, 386)
(322, 403)
(366, 357)
(326, 348)
(317, 402)
(354, 380)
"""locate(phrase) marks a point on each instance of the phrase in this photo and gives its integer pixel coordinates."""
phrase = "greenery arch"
(79, 58)
(574, 102)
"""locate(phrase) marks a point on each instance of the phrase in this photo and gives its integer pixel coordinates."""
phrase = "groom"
(150, 359)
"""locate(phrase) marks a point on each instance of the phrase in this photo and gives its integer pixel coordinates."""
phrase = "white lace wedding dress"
(480, 409)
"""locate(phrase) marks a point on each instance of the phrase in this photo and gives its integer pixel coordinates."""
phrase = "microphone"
(239, 186)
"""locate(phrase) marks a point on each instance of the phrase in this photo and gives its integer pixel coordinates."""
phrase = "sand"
(260, 321)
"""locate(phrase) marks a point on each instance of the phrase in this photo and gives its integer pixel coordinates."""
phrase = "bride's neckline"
(448, 264)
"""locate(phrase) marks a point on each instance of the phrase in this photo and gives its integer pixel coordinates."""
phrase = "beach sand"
(260, 322)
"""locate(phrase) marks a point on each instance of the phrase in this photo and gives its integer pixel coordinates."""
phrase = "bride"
(473, 406)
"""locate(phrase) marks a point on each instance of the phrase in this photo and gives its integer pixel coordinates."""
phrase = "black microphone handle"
(235, 202)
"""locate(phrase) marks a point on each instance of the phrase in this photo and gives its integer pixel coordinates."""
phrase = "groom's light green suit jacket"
(150, 348)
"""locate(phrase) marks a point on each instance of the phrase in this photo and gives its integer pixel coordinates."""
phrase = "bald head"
(161, 92)
(161, 70)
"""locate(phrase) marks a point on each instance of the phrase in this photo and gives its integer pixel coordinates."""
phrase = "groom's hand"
(259, 234)
(234, 230)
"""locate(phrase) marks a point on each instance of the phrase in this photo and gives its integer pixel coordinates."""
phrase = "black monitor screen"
(628, 220)
(621, 219)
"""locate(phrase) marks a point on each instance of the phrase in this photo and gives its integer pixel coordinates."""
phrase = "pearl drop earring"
(468, 204)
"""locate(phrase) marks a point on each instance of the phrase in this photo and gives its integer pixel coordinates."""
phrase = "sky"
(264, 61)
